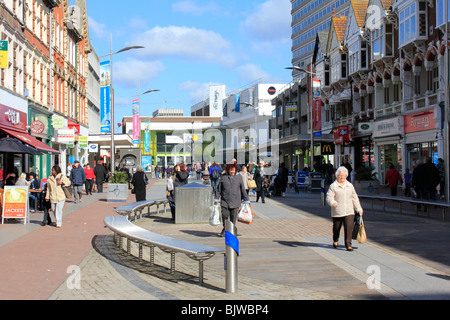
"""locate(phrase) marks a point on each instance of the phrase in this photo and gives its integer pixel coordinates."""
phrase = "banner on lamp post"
(105, 97)
(317, 117)
(136, 127)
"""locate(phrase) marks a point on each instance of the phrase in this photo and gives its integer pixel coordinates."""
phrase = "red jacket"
(393, 177)
(89, 173)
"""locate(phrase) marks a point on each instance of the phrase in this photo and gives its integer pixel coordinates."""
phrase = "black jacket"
(231, 191)
(180, 179)
(100, 173)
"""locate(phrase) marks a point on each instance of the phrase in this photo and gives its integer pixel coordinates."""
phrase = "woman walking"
(55, 193)
(231, 192)
(344, 201)
(179, 178)
(139, 182)
(259, 178)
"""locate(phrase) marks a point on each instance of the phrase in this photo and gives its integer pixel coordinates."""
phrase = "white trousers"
(58, 211)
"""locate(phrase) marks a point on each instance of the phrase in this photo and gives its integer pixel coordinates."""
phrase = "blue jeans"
(261, 194)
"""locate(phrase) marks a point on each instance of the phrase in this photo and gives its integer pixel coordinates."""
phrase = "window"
(440, 12)
(413, 22)
(382, 42)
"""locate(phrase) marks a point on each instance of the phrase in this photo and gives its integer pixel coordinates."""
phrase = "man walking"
(77, 178)
(100, 174)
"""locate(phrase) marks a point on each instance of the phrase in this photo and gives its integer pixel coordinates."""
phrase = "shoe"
(335, 245)
(349, 249)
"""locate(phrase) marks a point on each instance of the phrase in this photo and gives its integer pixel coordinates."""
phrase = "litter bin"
(193, 203)
(315, 181)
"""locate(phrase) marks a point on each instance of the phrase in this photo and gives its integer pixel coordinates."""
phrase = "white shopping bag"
(214, 218)
(246, 214)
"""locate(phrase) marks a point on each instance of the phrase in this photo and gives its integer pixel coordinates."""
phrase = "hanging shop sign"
(66, 136)
(37, 127)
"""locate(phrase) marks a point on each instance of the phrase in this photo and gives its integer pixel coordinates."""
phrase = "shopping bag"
(362, 237)
(356, 225)
(246, 214)
(251, 184)
(214, 218)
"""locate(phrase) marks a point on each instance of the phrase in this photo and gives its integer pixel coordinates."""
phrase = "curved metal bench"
(123, 228)
(137, 207)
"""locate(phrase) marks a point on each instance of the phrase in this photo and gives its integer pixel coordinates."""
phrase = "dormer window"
(357, 57)
(413, 23)
(338, 67)
(440, 12)
(382, 42)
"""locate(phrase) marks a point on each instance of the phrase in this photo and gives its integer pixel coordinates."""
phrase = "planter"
(367, 186)
(117, 192)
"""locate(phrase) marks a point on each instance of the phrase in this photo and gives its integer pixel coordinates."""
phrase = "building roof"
(360, 10)
(339, 23)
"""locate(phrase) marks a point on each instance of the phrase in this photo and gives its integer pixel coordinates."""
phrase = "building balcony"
(420, 102)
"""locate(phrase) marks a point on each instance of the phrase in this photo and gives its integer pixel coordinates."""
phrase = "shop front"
(41, 129)
(421, 138)
(388, 140)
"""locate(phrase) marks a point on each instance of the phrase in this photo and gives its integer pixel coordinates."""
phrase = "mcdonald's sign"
(327, 148)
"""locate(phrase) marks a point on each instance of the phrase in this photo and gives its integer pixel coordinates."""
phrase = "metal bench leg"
(152, 256)
(157, 209)
(200, 271)
(120, 242)
(172, 262)
(128, 247)
(140, 253)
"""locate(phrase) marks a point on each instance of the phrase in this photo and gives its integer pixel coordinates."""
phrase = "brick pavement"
(285, 254)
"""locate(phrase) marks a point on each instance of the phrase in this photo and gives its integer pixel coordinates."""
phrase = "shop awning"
(26, 138)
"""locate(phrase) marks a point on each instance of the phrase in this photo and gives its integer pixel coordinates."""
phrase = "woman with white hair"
(344, 201)
(140, 182)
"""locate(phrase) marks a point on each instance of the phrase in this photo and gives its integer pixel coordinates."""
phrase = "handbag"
(67, 192)
(246, 214)
(251, 184)
(214, 218)
(362, 237)
(356, 225)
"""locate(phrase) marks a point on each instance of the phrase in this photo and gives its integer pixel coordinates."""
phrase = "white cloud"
(197, 91)
(97, 28)
(189, 43)
(251, 72)
(190, 7)
(271, 22)
(129, 73)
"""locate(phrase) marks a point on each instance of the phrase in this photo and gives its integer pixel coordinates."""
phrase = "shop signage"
(4, 54)
(66, 136)
(93, 148)
(58, 122)
(37, 127)
(83, 141)
(388, 127)
(192, 138)
(13, 118)
(365, 127)
(15, 203)
(271, 91)
(420, 122)
(291, 107)
(327, 149)
(341, 135)
(75, 126)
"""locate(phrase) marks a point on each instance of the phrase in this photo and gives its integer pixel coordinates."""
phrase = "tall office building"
(308, 18)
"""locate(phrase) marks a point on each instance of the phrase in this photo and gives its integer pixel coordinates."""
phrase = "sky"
(189, 45)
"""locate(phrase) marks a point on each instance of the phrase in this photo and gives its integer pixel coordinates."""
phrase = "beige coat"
(55, 193)
(346, 198)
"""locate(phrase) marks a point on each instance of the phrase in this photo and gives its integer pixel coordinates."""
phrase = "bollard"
(231, 254)
(322, 192)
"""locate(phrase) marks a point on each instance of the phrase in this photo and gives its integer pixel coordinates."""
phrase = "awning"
(26, 138)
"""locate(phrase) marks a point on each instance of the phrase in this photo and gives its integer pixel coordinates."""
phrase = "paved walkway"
(285, 254)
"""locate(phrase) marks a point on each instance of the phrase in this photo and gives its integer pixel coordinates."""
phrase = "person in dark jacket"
(231, 191)
(100, 174)
(139, 182)
(179, 178)
(259, 178)
(431, 180)
(77, 178)
(282, 179)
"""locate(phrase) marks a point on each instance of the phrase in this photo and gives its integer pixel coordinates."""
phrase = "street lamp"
(311, 108)
(139, 113)
(113, 147)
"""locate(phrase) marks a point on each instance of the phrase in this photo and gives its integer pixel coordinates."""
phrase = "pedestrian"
(245, 177)
(407, 179)
(77, 179)
(282, 179)
(205, 175)
(55, 194)
(47, 220)
(90, 177)
(441, 170)
(69, 169)
(417, 181)
(259, 177)
(214, 175)
(33, 196)
(157, 171)
(180, 178)
(100, 174)
(230, 192)
(329, 173)
(349, 168)
(139, 182)
(344, 201)
(392, 178)
(431, 180)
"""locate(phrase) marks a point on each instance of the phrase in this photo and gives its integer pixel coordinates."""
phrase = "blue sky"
(190, 44)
